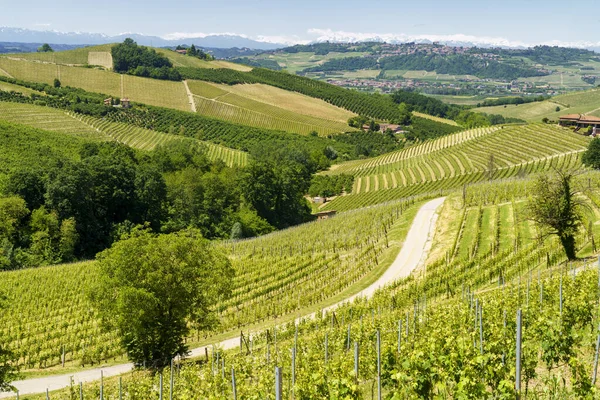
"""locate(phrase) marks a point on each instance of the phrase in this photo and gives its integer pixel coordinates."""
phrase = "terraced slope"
(146, 139)
(431, 167)
(51, 119)
(240, 106)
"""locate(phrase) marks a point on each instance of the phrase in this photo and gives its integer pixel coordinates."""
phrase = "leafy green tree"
(57, 83)
(237, 231)
(591, 157)
(554, 207)
(154, 287)
(29, 184)
(45, 48)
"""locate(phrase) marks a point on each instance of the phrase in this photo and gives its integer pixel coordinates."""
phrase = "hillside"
(358, 295)
(459, 159)
(253, 107)
(587, 102)
(261, 265)
(54, 120)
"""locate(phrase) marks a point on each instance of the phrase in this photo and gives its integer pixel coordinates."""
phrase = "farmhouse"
(181, 51)
(325, 214)
(125, 102)
(384, 127)
(579, 120)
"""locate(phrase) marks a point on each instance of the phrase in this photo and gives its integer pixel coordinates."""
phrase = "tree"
(56, 83)
(591, 157)
(45, 48)
(154, 287)
(554, 207)
(557, 109)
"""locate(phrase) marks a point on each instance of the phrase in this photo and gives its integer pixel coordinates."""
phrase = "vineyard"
(46, 118)
(51, 119)
(146, 139)
(219, 103)
(494, 303)
(434, 167)
(144, 90)
(277, 276)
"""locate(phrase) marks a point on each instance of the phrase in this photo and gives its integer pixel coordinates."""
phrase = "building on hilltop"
(580, 121)
(125, 102)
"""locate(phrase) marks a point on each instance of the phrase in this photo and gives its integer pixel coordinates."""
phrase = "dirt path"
(190, 96)
(412, 255)
(7, 74)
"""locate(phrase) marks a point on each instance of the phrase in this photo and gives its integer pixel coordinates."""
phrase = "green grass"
(9, 87)
(436, 119)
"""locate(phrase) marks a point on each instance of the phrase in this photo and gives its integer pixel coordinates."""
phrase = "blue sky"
(522, 21)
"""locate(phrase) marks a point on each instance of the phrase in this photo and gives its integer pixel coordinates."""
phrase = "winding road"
(413, 254)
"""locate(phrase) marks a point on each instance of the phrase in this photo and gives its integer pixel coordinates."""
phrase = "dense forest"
(132, 59)
(448, 64)
(64, 198)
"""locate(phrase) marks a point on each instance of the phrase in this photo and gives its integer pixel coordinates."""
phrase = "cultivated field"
(149, 91)
(145, 139)
(46, 118)
(276, 275)
(242, 105)
(481, 154)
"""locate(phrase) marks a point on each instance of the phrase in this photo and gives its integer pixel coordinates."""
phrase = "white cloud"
(322, 35)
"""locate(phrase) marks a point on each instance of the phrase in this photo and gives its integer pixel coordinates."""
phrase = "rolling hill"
(586, 102)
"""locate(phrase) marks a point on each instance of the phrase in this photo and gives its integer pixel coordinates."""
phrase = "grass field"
(571, 103)
(241, 104)
(100, 55)
(78, 56)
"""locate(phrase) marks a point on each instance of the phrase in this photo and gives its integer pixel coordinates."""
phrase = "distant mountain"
(20, 35)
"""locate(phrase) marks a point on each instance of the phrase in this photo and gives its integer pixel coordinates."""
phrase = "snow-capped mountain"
(8, 34)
